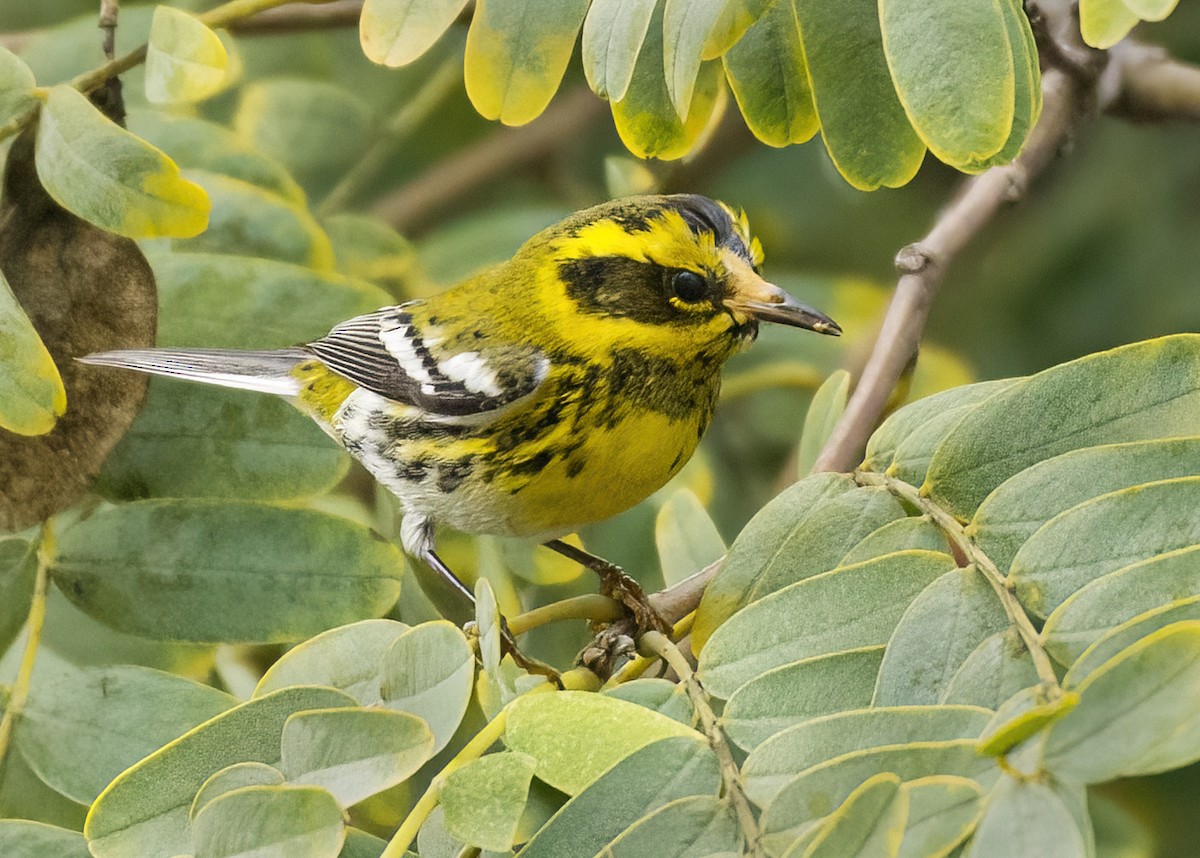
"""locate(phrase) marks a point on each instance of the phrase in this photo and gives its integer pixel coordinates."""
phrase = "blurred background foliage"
(319, 158)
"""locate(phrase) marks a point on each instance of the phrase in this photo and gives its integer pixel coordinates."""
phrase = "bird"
(541, 394)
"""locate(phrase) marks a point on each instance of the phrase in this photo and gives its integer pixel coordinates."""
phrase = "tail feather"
(263, 371)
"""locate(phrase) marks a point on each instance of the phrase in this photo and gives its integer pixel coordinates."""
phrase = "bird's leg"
(508, 642)
(617, 585)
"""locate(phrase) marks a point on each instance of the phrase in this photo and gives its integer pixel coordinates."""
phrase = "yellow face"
(670, 274)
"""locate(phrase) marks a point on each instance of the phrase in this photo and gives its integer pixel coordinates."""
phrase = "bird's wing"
(386, 353)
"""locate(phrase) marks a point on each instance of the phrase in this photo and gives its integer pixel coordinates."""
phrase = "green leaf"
(396, 32)
(612, 39)
(863, 124)
(99, 171)
(234, 777)
(270, 822)
(16, 86)
(694, 827)
(913, 532)
(952, 66)
(1105, 22)
(1115, 639)
(794, 693)
(484, 799)
(428, 671)
(1029, 819)
(687, 25)
(1137, 712)
(996, 670)
(22, 838)
(803, 532)
(1146, 390)
(1119, 596)
(818, 792)
(32, 396)
(1151, 10)
(775, 762)
(196, 143)
(737, 17)
(83, 727)
(187, 570)
(686, 537)
(868, 824)
(824, 411)
(251, 221)
(354, 753)
(517, 54)
(1024, 502)
(185, 60)
(847, 608)
(645, 117)
(144, 812)
(577, 735)
(1026, 713)
(347, 658)
(659, 695)
(359, 844)
(1103, 535)
(901, 424)
(942, 812)
(18, 569)
(936, 634)
(634, 787)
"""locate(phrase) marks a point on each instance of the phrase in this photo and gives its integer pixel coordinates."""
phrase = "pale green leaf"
(937, 633)
(634, 787)
(942, 812)
(32, 396)
(16, 86)
(686, 537)
(687, 25)
(187, 570)
(185, 60)
(353, 753)
(612, 39)
(83, 726)
(1105, 22)
(18, 570)
(397, 32)
(347, 658)
(144, 812)
(660, 695)
(23, 838)
(484, 799)
(693, 827)
(428, 671)
(795, 693)
(961, 104)
(234, 777)
(270, 822)
(111, 178)
(577, 735)
(847, 608)
(517, 54)
(1151, 10)
(645, 117)
(996, 670)
(1102, 535)
(774, 763)
(1146, 390)
(1029, 819)
(1137, 713)
(1118, 596)
(1024, 502)
(868, 824)
(913, 532)
(824, 411)
(1114, 640)
(863, 124)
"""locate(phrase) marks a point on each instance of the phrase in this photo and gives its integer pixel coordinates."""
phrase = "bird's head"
(669, 272)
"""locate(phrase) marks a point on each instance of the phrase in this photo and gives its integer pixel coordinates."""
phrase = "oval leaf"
(32, 396)
(612, 39)
(396, 32)
(270, 822)
(484, 800)
(185, 60)
(428, 671)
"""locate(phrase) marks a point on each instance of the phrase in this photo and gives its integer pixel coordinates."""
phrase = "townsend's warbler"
(544, 393)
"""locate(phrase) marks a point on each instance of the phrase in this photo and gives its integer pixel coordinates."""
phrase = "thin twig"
(924, 263)
(1144, 84)
(591, 606)
(415, 206)
(300, 17)
(959, 539)
(660, 645)
(37, 618)
(109, 9)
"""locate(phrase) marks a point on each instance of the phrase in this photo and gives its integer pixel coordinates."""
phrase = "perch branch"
(300, 17)
(109, 9)
(1144, 84)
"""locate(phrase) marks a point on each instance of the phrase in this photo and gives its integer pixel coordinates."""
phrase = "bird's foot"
(508, 645)
(619, 586)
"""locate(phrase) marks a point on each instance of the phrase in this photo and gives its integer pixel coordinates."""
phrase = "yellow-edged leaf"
(32, 396)
(185, 60)
(396, 32)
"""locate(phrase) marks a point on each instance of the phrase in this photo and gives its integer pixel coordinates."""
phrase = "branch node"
(914, 258)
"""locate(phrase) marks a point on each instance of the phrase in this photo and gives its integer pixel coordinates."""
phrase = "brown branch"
(412, 207)
(1144, 84)
(300, 17)
(109, 9)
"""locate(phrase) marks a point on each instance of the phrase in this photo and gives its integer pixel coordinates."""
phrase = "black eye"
(689, 286)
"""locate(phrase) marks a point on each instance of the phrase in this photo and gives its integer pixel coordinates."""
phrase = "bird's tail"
(264, 371)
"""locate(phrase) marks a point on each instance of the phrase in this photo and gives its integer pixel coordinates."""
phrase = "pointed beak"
(756, 298)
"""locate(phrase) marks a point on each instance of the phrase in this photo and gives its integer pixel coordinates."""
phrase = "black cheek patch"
(618, 286)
